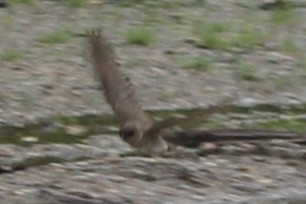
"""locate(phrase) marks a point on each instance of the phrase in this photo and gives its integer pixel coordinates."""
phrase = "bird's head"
(137, 137)
(131, 133)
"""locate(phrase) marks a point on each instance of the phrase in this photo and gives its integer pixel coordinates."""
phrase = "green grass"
(139, 36)
(247, 4)
(284, 125)
(56, 37)
(134, 62)
(282, 83)
(248, 38)
(3, 96)
(128, 3)
(288, 45)
(210, 36)
(282, 15)
(12, 55)
(21, 1)
(246, 72)
(199, 2)
(170, 5)
(166, 95)
(152, 16)
(302, 63)
(76, 3)
(196, 63)
(26, 100)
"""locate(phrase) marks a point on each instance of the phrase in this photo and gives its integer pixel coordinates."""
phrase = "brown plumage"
(137, 127)
(134, 122)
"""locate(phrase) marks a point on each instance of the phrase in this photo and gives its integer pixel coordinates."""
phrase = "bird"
(136, 126)
(139, 130)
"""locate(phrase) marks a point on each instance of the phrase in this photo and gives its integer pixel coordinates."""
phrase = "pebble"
(248, 187)
(29, 139)
(75, 130)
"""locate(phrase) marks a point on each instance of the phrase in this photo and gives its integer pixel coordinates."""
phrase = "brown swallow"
(136, 126)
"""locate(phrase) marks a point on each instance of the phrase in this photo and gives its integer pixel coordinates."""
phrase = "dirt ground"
(196, 53)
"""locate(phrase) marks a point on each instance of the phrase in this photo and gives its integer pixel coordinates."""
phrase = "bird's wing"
(222, 107)
(118, 89)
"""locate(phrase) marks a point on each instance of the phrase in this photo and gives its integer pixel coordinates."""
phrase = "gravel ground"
(41, 77)
(53, 78)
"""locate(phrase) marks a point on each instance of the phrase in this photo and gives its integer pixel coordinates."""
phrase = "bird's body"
(135, 123)
(139, 130)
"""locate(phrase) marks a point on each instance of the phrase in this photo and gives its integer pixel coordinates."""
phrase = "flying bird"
(139, 130)
(135, 125)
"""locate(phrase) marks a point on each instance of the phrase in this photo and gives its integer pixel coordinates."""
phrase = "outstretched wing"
(118, 89)
(222, 107)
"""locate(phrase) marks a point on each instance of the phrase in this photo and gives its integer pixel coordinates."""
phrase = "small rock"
(113, 159)
(83, 194)
(258, 158)
(48, 86)
(29, 139)
(113, 128)
(248, 187)
(246, 102)
(208, 146)
(169, 52)
(190, 40)
(94, 2)
(304, 154)
(247, 146)
(6, 153)
(232, 149)
(267, 182)
(284, 152)
(177, 17)
(75, 130)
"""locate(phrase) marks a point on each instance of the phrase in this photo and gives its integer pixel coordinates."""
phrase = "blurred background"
(181, 55)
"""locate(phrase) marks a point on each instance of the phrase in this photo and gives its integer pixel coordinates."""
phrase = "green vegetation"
(282, 15)
(288, 45)
(152, 17)
(210, 36)
(302, 63)
(26, 100)
(60, 36)
(76, 3)
(199, 2)
(283, 125)
(94, 125)
(3, 96)
(134, 62)
(170, 5)
(247, 4)
(100, 124)
(245, 72)
(282, 83)
(126, 3)
(196, 63)
(35, 161)
(12, 55)
(21, 1)
(248, 37)
(139, 36)
(165, 95)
